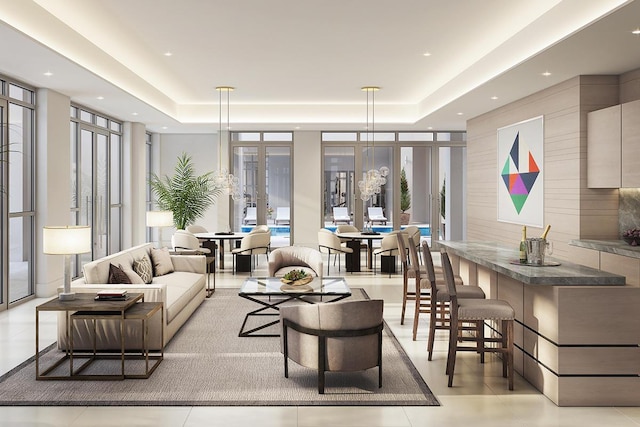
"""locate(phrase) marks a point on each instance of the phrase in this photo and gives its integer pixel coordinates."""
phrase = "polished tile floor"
(479, 398)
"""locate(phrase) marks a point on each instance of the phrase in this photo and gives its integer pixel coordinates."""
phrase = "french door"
(264, 171)
(91, 205)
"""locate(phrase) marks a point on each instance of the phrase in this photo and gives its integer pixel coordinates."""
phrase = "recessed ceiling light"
(168, 53)
(100, 98)
(546, 74)
(297, 127)
(134, 114)
(429, 127)
(636, 31)
(460, 114)
(494, 97)
(48, 74)
(165, 127)
(426, 54)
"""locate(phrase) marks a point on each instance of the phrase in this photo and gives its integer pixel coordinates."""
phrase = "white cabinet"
(631, 144)
(613, 146)
(604, 150)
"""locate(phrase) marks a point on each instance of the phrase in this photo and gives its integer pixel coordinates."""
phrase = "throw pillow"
(143, 268)
(117, 275)
(162, 263)
(133, 276)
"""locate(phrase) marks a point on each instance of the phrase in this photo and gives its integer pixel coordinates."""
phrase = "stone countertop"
(498, 256)
(619, 247)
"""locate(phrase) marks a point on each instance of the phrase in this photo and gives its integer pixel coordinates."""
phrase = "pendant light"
(372, 180)
(224, 179)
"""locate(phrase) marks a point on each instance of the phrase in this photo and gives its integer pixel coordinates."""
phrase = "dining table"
(221, 237)
(359, 236)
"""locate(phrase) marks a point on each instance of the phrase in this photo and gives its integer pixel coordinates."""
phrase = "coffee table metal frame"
(86, 307)
(266, 292)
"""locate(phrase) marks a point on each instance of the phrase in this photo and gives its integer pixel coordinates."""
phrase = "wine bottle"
(545, 232)
(523, 246)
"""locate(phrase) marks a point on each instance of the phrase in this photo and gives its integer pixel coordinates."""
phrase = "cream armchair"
(283, 260)
(343, 336)
(330, 243)
(255, 243)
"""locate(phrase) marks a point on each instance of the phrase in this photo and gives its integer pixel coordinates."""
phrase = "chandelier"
(224, 179)
(372, 180)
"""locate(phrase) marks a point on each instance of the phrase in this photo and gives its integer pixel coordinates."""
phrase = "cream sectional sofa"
(181, 291)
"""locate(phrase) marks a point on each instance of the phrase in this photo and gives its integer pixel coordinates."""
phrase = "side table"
(86, 307)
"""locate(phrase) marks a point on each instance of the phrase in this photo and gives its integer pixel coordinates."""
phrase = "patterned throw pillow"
(162, 263)
(144, 269)
(117, 275)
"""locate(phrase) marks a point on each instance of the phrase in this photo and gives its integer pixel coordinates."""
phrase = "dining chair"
(253, 244)
(330, 243)
(478, 311)
(388, 247)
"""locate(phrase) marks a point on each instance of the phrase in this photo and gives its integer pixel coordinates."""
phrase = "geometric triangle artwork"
(519, 173)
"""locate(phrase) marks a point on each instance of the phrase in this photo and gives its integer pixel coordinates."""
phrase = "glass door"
(339, 186)
(93, 197)
(3, 206)
(265, 178)
(416, 189)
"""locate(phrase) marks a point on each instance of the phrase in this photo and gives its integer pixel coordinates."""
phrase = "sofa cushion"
(161, 260)
(182, 287)
(117, 275)
(143, 268)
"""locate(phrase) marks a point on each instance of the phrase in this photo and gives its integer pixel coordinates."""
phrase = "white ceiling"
(298, 64)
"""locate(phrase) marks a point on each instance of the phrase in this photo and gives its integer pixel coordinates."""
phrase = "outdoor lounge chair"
(375, 214)
(341, 214)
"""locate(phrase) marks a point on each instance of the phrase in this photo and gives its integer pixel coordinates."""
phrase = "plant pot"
(405, 217)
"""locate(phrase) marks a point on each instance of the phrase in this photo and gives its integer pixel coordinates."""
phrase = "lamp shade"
(159, 218)
(66, 240)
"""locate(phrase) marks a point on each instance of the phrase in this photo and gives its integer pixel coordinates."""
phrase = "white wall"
(307, 188)
(53, 192)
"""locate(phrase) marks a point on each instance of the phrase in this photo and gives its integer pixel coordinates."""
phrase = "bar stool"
(434, 285)
(478, 311)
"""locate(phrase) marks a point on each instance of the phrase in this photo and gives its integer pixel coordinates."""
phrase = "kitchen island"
(577, 331)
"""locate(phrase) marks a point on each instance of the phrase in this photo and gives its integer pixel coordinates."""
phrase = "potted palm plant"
(186, 195)
(405, 199)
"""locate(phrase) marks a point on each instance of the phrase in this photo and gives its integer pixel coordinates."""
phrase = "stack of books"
(112, 295)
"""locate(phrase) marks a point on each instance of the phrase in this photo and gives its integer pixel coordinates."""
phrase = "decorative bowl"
(297, 282)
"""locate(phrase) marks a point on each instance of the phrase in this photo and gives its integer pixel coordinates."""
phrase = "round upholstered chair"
(283, 260)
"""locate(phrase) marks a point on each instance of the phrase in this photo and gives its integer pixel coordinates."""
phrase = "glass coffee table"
(270, 293)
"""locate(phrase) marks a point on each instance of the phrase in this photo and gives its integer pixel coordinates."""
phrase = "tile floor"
(479, 398)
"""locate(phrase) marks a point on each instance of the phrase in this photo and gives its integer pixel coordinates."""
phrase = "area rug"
(207, 364)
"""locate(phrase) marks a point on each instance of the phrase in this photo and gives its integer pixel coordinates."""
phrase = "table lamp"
(67, 241)
(159, 219)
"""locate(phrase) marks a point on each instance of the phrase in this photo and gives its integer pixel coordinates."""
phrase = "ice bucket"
(536, 248)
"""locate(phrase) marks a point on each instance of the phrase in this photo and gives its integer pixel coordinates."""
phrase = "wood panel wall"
(573, 210)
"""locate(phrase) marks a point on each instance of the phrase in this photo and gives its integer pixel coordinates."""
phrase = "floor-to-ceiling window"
(432, 164)
(96, 187)
(17, 112)
(262, 162)
(347, 157)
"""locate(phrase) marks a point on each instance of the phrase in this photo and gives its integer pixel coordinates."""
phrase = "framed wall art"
(521, 173)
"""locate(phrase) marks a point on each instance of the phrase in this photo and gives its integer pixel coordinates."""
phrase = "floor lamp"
(67, 241)
(159, 219)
